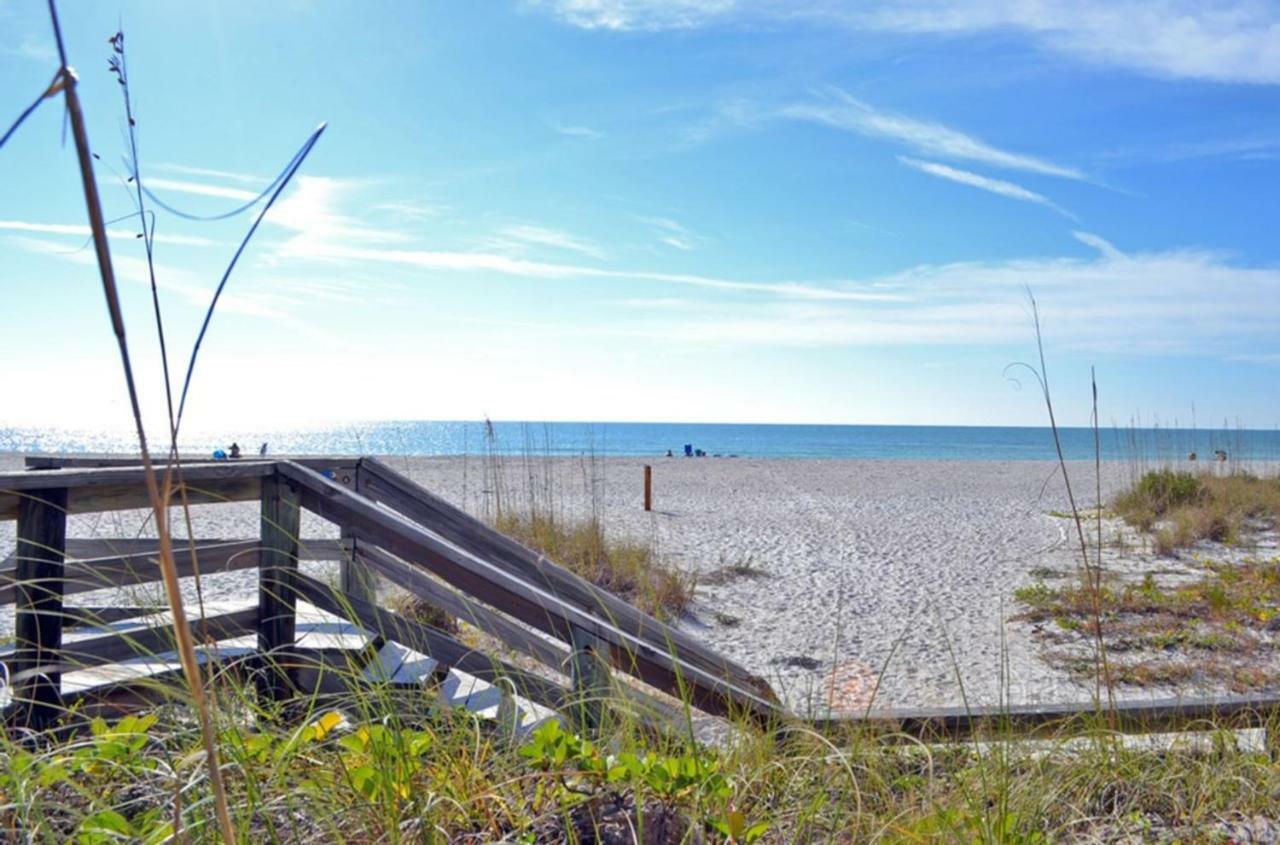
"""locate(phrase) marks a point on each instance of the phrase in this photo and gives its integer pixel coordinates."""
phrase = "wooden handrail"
(96, 564)
(661, 667)
(383, 484)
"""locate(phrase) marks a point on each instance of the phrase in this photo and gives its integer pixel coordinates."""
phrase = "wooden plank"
(591, 681)
(383, 484)
(341, 463)
(354, 577)
(93, 549)
(1137, 717)
(467, 609)
(435, 644)
(522, 600)
(42, 536)
(124, 488)
(277, 597)
(112, 476)
(97, 616)
(138, 566)
(131, 642)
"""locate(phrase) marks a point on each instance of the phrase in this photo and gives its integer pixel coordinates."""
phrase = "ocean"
(888, 442)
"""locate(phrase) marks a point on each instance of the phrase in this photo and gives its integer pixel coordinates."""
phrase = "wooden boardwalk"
(583, 638)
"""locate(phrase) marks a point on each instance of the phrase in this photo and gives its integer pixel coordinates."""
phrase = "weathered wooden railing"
(388, 525)
(392, 527)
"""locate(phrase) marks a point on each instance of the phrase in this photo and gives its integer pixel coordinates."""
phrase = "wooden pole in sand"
(42, 540)
(648, 487)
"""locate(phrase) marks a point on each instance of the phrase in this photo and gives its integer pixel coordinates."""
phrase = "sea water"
(888, 442)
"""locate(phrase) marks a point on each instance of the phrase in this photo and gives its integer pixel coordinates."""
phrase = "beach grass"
(373, 768)
(627, 568)
(1213, 626)
(1182, 508)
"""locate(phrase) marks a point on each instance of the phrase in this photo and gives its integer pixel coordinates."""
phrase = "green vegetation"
(628, 569)
(1215, 630)
(367, 771)
(1181, 508)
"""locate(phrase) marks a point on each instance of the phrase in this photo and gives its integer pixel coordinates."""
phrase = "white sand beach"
(903, 569)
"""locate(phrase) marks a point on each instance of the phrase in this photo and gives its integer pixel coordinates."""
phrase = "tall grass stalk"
(159, 498)
(1103, 677)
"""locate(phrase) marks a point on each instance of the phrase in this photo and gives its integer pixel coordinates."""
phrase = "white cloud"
(1099, 243)
(985, 183)
(1179, 302)
(578, 131)
(82, 231)
(673, 234)
(199, 189)
(637, 14)
(555, 238)
(1217, 40)
(210, 173)
(840, 110)
(506, 265)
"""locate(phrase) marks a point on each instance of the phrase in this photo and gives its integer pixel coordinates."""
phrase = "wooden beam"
(383, 484)
(1136, 717)
(277, 597)
(592, 686)
(42, 536)
(96, 616)
(469, 610)
(129, 643)
(641, 706)
(435, 644)
(134, 562)
(658, 667)
(354, 577)
(124, 488)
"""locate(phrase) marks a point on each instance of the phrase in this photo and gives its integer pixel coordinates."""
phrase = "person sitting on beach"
(1221, 455)
(1191, 457)
(235, 450)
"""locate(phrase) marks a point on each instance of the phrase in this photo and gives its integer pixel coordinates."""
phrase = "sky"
(647, 210)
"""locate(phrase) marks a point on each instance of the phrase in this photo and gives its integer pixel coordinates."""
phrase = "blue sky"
(724, 210)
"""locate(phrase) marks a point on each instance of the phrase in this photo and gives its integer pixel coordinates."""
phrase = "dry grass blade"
(159, 499)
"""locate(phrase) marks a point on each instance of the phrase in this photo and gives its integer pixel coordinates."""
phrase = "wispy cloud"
(1223, 41)
(440, 260)
(1099, 243)
(840, 110)
(82, 231)
(673, 234)
(578, 131)
(1181, 302)
(202, 189)
(167, 167)
(412, 211)
(555, 238)
(637, 14)
(985, 183)
(36, 49)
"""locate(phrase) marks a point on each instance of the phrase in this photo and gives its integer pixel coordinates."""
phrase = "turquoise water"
(651, 439)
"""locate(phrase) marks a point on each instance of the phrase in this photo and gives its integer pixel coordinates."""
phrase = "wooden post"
(590, 676)
(277, 587)
(355, 578)
(42, 543)
(648, 487)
